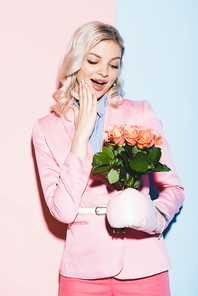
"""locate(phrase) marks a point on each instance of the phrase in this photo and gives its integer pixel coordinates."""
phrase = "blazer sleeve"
(171, 193)
(62, 186)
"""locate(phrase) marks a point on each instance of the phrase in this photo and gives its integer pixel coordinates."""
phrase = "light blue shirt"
(97, 135)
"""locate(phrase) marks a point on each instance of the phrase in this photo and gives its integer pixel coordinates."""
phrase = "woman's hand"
(84, 119)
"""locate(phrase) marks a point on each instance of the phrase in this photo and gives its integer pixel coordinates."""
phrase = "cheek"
(114, 74)
(80, 76)
(84, 73)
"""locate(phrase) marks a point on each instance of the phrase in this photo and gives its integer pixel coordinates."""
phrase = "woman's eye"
(114, 67)
(91, 62)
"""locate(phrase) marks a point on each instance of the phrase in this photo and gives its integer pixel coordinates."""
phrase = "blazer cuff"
(161, 223)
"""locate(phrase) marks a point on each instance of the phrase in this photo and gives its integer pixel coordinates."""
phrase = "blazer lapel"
(69, 124)
(70, 128)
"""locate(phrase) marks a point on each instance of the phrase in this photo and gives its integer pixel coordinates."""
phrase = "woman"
(97, 261)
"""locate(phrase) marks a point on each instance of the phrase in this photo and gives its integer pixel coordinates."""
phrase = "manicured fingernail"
(82, 82)
(86, 86)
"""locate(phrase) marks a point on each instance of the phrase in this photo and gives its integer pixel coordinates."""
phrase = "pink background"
(34, 35)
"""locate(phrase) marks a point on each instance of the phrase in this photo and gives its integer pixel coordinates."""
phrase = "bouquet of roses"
(128, 152)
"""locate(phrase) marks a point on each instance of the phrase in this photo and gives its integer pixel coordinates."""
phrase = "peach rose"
(131, 134)
(143, 128)
(118, 136)
(115, 134)
(108, 133)
(157, 137)
(145, 139)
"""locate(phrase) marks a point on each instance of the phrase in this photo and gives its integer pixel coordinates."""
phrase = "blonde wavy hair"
(84, 38)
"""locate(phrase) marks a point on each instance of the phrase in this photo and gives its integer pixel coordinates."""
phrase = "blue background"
(161, 66)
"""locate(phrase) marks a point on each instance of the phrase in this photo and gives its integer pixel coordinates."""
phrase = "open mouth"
(98, 82)
(98, 85)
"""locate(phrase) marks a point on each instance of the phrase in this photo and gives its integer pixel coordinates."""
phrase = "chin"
(101, 94)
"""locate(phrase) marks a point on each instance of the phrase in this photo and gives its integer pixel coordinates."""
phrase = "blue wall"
(161, 65)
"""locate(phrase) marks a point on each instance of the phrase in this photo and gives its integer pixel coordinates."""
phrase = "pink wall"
(34, 35)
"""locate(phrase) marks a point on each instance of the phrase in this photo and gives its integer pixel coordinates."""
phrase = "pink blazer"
(92, 250)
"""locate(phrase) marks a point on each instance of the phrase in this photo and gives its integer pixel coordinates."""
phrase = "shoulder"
(130, 112)
(45, 125)
(140, 107)
(144, 104)
(47, 121)
(50, 118)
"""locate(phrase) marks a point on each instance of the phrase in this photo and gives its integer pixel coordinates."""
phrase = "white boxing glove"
(130, 208)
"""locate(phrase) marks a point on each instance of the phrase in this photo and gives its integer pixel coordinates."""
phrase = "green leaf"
(124, 156)
(131, 182)
(108, 152)
(123, 173)
(109, 145)
(113, 176)
(139, 163)
(125, 159)
(100, 159)
(120, 149)
(154, 156)
(160, 168)
(115, 152)
(136, 184)
(100, 169)
(118, 162)
(135, 150)
(128, 148)
(128, 177)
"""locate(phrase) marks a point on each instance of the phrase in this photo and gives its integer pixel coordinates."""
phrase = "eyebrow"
(100, 56)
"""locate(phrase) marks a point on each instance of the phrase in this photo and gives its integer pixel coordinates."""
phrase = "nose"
(103, 70)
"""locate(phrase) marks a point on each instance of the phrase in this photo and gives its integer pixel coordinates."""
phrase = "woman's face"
(102, 67)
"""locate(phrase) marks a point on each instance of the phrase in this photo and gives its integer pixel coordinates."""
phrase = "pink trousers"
(156, 285)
